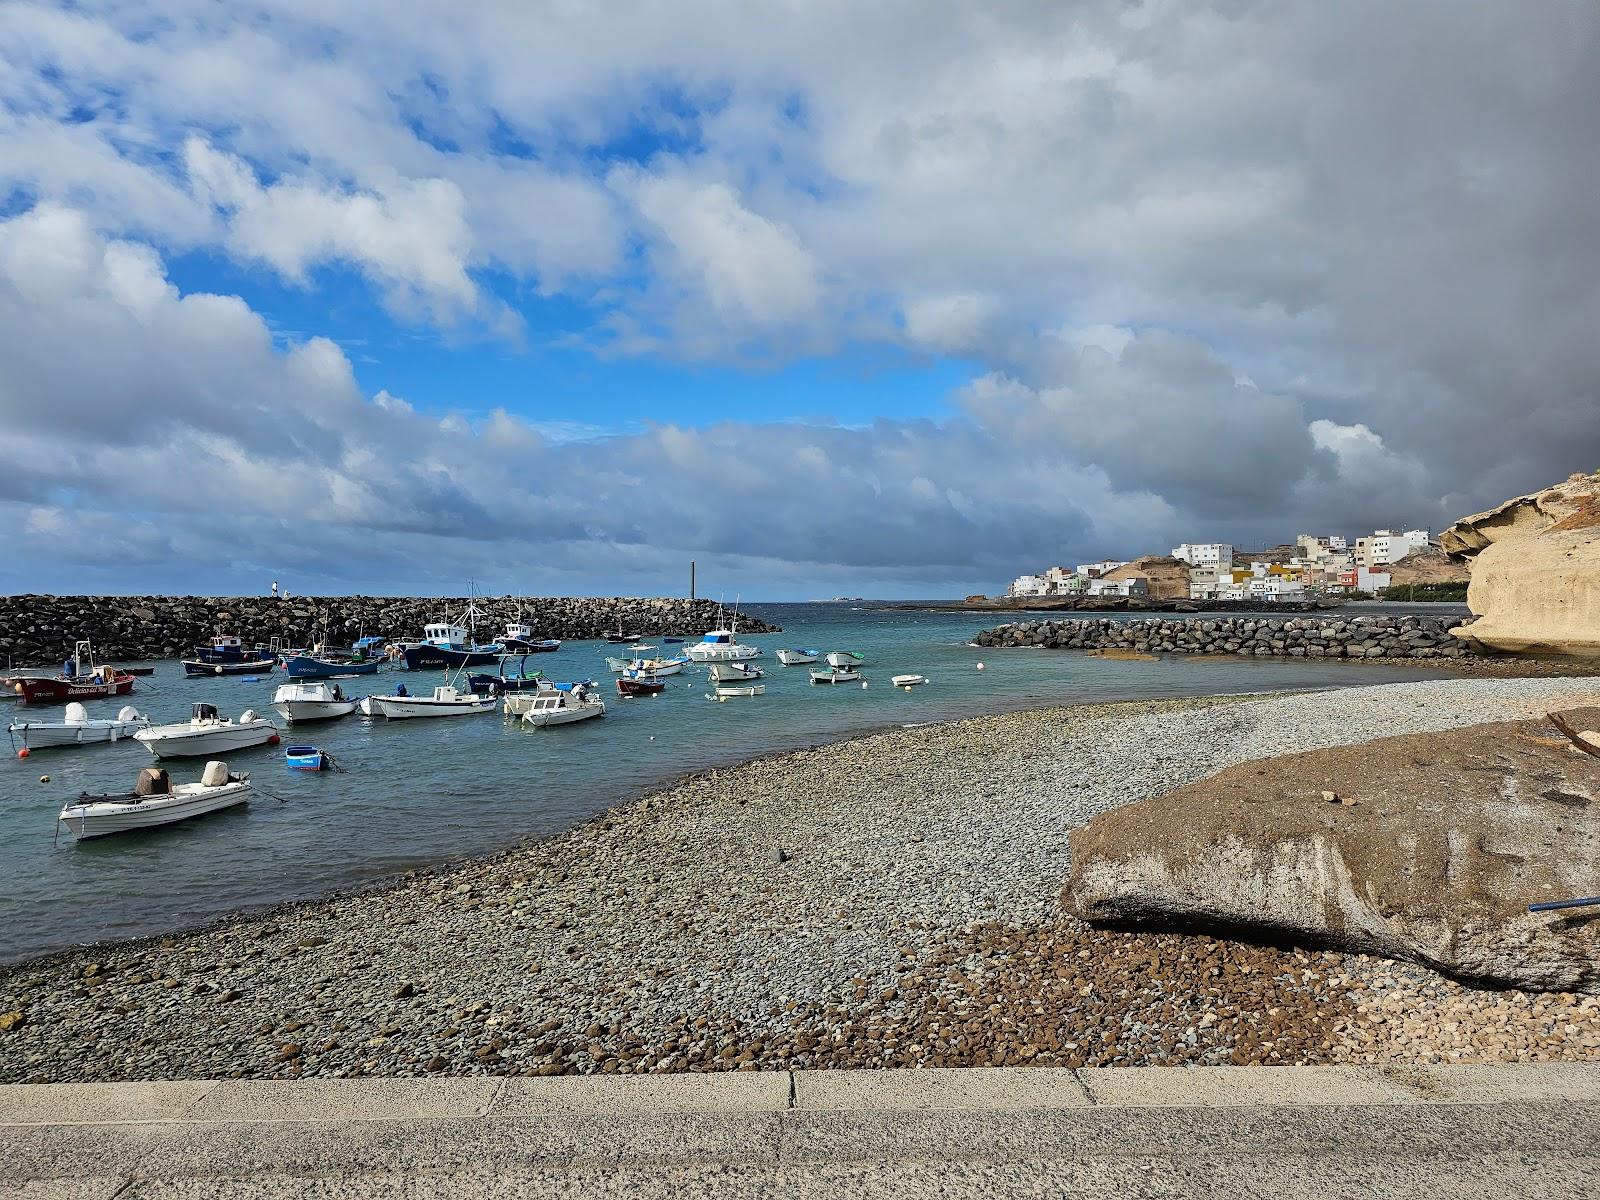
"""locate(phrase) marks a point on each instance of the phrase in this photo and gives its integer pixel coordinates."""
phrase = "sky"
(896, 300)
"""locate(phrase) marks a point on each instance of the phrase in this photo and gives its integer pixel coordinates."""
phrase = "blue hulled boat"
(306, 666)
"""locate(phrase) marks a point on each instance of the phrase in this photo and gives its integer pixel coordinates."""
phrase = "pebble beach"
(887, 901)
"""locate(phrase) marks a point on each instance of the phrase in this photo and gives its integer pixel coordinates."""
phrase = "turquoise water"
(418, 792)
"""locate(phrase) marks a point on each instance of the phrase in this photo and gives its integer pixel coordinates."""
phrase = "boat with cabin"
(450, 644)
(155, 801)
(720, 645)
(207, 732)
(230, 648)
(446, 701)
(313, 701)
(562, 706)
(77, 729)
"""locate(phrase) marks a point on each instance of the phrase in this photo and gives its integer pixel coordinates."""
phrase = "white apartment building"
(1028, 585)
(1275, 587)
(1386, 546)
(1205, 554)
(1137, 586)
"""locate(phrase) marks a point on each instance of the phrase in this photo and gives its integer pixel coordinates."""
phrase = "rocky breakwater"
(1299, 637)
(1427, 847)
(42, 629)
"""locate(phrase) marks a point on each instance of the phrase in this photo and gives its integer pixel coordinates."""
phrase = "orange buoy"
(24, 752)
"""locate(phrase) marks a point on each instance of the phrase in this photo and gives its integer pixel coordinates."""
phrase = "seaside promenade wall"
(42, 629)
(1299, 637)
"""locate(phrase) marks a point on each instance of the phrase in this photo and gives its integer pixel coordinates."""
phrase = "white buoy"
(980, 666)
(863, 683)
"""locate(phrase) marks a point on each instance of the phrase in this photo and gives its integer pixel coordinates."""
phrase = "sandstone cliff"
(1535, 564)
(1168, 578)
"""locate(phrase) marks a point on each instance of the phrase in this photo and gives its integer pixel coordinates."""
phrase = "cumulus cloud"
(1220, 267)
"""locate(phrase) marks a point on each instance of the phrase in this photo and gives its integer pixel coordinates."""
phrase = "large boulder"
(1432, 849)
(1535, 564)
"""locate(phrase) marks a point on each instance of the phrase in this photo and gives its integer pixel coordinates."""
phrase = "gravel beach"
(891, 900)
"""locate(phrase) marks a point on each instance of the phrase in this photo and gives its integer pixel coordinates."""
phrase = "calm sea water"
(417, 792)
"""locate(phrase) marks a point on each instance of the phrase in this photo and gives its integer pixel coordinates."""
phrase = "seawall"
(42, 629)
(1300, 637)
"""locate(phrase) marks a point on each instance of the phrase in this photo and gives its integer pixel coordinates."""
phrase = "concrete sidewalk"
(1285, 1132)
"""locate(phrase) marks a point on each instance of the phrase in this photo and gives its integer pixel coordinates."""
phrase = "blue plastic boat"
(305, 758)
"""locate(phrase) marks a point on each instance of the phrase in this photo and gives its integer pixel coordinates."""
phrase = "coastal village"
(1312, 567)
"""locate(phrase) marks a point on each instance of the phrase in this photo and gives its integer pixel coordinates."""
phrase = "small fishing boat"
(672, 641)
(306, 758)
(720, 645)
(659, 666)
(367, 706)
(446, 701)
(80, 679)
(726, 691)
(518, 639)
(208, 733)
(797, 658)
(311, 702)
(155, 800)
(308, 666)
(630, 685)
(563, 706)
(77, 729)
(836, 675)
(734, 672)
(845, 658)
(907, 681)
(520, 680)
(139, 671)
(230, 648)
(370, 647)
(262, 666)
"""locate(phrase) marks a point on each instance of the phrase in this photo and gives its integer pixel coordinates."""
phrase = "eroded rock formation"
(1427, 847)
(1535, 571)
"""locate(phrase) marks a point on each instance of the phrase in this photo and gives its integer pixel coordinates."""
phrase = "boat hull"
(640, 687)
(40, 735)
(519, 646)
(255, 667)
(845, 658)
(59, 691)
(564, 716)
(725, 690)
(320, 668)
(725, 652)
(836, 675)
(797, 658)
(405, 708)
(906, 681)
(101, 819)
(184, 741)
(298, 712)
(423, 658)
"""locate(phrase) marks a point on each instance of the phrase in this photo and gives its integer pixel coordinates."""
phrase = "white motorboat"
(734, 672)
(845, 658)
(721, 645)
(907, 681)
(317, 701)
(656, 667)
(836, 675)
(561, 707)
(619, 665)
(798, 658)
(77, 729)
(367, 706)
(208, 733)
(446, 701)
(725, 690)
(155, 801)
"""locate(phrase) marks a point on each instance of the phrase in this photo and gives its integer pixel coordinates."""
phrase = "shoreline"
(823, 907)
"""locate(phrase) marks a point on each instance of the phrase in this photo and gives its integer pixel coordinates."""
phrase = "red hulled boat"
(80, 680)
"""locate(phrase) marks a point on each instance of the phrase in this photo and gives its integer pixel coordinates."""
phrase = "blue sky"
(897, 301)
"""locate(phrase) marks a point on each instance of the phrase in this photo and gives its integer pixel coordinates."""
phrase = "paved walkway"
(1286, 1132)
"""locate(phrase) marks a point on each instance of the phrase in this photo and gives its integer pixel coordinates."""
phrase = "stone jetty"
(42, 629)
(1299, 637)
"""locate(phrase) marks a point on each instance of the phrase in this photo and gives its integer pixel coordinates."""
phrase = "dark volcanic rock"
(42, 629)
